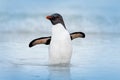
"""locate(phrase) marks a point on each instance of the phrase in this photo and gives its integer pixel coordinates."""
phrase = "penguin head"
(55, 19)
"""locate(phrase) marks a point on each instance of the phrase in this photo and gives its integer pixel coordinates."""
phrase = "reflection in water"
(59, 73)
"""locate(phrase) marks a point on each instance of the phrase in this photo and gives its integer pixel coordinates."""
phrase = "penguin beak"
(49, 17)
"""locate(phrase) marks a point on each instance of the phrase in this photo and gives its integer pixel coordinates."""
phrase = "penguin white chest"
(60, 51)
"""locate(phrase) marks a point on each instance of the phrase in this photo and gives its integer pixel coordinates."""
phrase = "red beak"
(49, 17)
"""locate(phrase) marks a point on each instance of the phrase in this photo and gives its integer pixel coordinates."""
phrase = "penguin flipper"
(42, 40)
(46, 40)
(77, 35)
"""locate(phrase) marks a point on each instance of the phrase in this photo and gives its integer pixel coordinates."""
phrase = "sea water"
(95, 57)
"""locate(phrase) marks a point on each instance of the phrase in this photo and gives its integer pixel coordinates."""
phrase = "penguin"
(60, 46)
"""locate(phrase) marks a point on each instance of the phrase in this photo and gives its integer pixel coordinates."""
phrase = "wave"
(75, 22)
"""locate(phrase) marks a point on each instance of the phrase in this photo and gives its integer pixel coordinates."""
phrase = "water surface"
(94, 58)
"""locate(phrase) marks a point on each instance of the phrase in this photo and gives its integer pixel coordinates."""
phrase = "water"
(95, 57)
(87, 16)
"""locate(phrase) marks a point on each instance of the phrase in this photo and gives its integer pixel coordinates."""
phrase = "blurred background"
(96, 57)
(79, 15)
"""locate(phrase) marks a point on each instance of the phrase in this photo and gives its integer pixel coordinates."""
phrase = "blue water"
(88, 15)
(95, 57)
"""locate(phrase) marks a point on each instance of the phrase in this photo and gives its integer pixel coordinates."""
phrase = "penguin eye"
(53, 18)
(57, 17)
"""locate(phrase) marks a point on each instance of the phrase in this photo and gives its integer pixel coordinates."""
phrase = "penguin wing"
(42, 40)
(77, 35)
(46, 40)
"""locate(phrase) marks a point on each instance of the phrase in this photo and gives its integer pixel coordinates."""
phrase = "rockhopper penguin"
(60, 49)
